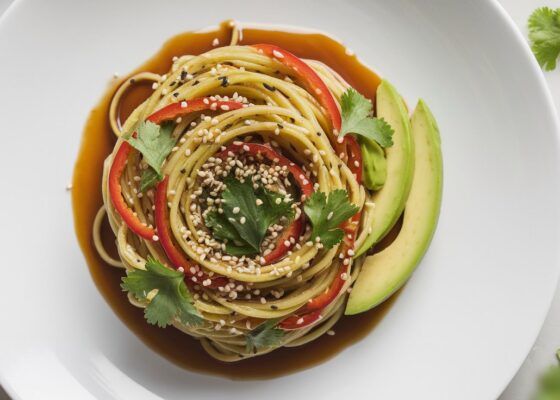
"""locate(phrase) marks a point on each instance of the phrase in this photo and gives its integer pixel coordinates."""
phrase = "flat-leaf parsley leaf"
(327, 213)
(544, 35)
(356, 113)
(172, 299)
(265, 335)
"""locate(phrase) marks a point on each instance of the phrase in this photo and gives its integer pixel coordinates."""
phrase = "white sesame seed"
(242, 220)
(183, 104)
(277, 54)
(215, 42)
(299, 321)
(259, 202)
(236, 210)
(155, 238)
(154, 85)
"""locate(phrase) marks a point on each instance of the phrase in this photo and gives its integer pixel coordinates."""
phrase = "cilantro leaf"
(265, 335)
(222, 228)
(239, 202)
(172, 299)
(327, 213)
(549, 383)
(154, 142)
(356, 113)
(148, 179)
(544, 35)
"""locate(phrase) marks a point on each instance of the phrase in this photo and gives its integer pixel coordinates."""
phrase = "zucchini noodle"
(279, 113)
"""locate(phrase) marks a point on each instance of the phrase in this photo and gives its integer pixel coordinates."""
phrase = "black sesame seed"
(292, 119)
(318, 133)
(183, 75)
(274, 307)
(268, 87)
(195, 83)
(183, 170)
(280, 126)
(132, 81)
(176, 94)
(224, 80)
(227, 126)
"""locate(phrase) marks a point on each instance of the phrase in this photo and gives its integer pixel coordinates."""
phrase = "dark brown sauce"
(98, 142)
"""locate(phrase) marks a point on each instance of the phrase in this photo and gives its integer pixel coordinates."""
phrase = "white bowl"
(467, 318)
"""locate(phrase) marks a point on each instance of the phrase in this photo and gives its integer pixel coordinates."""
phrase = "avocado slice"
(385, 272)
(390, 200)
(374, 163)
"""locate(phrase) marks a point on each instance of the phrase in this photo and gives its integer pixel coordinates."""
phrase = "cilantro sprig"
(172, 299)
(357, 119)
(244, 223)
(326, 213)
(544, 35)
(155, 143)
(264, 335)
(549, 382)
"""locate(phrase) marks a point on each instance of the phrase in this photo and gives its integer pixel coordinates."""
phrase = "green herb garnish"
(265, 335)
(549, 383)
(244, 223)
(327, 213)
(155, 143)
(544, 35)
(357, 119)
(172, 299)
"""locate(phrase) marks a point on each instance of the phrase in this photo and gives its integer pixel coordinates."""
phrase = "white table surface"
(543, 352)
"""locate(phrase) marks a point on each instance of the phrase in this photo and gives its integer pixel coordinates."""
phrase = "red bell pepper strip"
(315, 85)
(175, 110)
(115, 191)
(170, 112)
(295, 228)
(307, 75)
(175, 255)
(299, 321)
(272, 155)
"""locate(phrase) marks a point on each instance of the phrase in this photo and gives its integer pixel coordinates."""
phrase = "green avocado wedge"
(390, 200)
(385, 272)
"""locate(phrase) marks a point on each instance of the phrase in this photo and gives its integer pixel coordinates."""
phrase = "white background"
(548, 341)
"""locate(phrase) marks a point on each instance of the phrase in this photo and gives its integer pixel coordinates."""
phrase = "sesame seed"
(154, 85)
(236, 210)
(330, 333)
(183, 104)
(259, 202)
(155, 238)
(277, 54)
(299, 321)
(242, 220)
(224, 107)
(215, 42)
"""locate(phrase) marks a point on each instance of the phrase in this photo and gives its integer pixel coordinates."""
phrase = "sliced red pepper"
(300, 321)
(170, 112)
(307, 75)
(173, 252)
(175, 110)
(115, 191)
(272, 155)
(295, 228)
(354, 156)
(315, 85)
